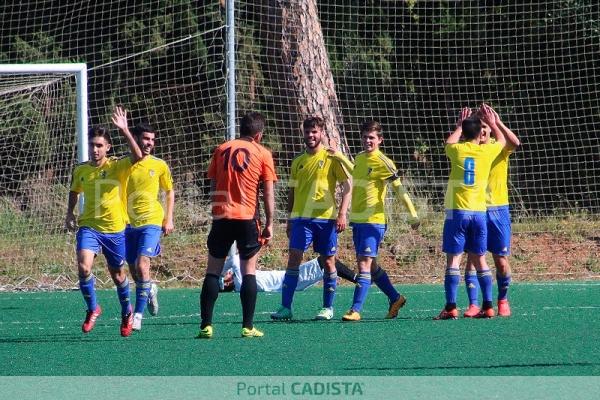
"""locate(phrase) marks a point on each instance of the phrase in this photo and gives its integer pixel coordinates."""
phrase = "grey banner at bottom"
(299, 387)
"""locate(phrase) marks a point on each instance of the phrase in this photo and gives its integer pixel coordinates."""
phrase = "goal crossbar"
(80, 72)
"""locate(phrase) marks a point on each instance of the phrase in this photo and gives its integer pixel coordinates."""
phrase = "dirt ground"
(408, 257)
(411, 257)
(535, 257)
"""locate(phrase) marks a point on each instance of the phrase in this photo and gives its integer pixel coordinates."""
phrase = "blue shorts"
(320, 232)
(367, 238)
(499, 230)
(142, 241)
(112, 245)
(465, 231)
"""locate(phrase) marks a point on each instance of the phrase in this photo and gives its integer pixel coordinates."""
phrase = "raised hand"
(119, 118)
(464, 114)
(488, 115)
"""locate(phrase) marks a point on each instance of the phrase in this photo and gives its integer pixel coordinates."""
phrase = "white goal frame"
(80, 72)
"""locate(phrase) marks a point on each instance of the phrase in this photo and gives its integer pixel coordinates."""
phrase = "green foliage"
(40, 47)
(249, 77)
(392, 60)
(592, 264)
(11, 219)
(581, 13)
(449, 22)
(272, 258)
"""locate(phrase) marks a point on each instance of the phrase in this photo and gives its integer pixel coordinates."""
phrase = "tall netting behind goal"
(413, 65)
(165, 62)
(409, 64)
(38, 147)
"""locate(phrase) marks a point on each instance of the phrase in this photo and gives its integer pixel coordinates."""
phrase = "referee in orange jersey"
(236, 170)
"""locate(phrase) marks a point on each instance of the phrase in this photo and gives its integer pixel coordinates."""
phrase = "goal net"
(413, 65)
(410, 64)
(38, 148)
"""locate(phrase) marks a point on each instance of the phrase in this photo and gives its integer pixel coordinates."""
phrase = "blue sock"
(382, 280)
(451, 281)
(485, 282)
(472, 286)
(290, 281)
(361, 290)
(123, 293)
(329, 286)
(142, 291)
(86, 285)
(503, 284)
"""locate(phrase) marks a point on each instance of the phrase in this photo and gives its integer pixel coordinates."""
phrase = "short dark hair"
(99, 131)
(471, 127)
(312, 122)
(370, 126)
(141, 128)
(251, 124)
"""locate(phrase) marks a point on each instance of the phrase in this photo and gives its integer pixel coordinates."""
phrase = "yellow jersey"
(470, 166)
(370, 177)
(146, 178)
(497, 189)
(314, 178)
(102, 194)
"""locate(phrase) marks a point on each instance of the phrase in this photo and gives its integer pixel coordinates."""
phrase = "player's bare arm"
(512, 141)
(341, 221)
(168, 226)
(70, 219)
(269, 201)
(119, 119)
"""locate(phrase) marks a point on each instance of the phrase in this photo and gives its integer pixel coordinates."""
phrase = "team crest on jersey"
(103, 174)
(369, 171)
(151, 172)
(321, 164)
(301, 166)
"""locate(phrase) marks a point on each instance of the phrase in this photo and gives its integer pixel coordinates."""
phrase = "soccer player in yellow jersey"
(101, 223)
(498, 224)
(314, 216)
(147, 218)
(370, 177)
(465, 227)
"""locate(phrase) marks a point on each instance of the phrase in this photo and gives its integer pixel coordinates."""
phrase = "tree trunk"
(298, 69)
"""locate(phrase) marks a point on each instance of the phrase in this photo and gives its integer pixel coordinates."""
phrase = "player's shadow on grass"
(475, 367)
(70, 339)
(73, 339)
(195, 323)
(335, 321)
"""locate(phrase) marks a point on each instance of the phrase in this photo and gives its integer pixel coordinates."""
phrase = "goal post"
(191, 72)
(44, 131)
(80, 72)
